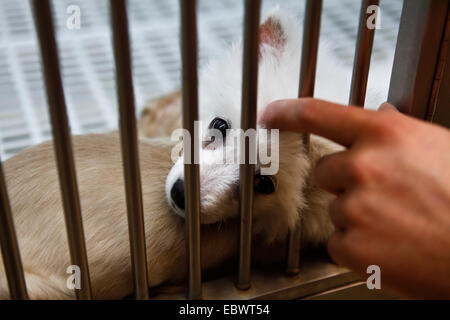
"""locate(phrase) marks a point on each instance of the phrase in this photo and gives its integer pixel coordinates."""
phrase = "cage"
(419, 86)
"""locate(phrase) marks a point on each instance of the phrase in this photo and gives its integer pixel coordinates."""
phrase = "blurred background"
(88, 67)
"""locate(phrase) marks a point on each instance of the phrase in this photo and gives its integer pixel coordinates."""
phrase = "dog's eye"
(264, 184)
(220, 125)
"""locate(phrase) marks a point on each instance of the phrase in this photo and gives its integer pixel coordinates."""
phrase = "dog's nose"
(177, 193)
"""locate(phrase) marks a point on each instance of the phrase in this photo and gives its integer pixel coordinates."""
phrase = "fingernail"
(386, 106)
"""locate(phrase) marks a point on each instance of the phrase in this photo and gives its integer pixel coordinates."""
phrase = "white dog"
(282, 200)
(33, 188)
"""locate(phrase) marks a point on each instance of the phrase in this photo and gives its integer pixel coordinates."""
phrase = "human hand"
(393, 191)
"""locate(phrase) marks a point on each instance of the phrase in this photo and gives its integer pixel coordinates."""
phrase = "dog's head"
(281, 175)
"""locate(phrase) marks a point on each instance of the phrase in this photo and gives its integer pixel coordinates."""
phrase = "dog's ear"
(278, 32)
(271, 33)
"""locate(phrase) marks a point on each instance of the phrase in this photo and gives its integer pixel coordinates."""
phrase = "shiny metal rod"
(191, 167)
(363, 53)
(10, 247)
(62, 143)
(310, 46)
(311, 32)
(248, 121)
(293, 254)
(419, 41)
(306, 89)
(130, 152)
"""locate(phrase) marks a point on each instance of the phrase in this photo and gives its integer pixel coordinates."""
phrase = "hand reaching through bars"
(393, 191)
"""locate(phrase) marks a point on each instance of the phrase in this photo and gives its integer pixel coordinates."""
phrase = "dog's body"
(220, 98)
(35, 197)
(33, 188)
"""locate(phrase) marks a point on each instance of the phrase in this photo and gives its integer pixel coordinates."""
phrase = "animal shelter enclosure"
(419, 85)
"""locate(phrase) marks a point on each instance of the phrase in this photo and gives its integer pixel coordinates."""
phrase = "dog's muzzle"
(177, 194)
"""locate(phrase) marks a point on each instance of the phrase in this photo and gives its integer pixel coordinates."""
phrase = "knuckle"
(388, 127)
(358, 168)
(367, 168)
(350, 209)
(353, 211)
(357, 208)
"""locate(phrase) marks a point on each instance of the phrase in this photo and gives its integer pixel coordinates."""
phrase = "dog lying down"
(38, 215)
(34, 193)
(281, 202)
(281, 198)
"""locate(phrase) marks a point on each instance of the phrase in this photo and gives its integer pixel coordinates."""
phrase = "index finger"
(342, 124)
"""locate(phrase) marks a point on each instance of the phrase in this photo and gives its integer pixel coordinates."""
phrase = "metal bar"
(62, 144)
(129, 145)
(309, 48)
(363, 52)
(419, 39)
(191, 167)
(293, 253)
(306, 89)
(439, 108)
(10, 247)
(248, 121)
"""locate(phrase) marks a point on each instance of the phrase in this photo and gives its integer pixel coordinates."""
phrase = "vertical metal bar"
(440, 111)
(191, 167)
(293, 254)
(420, 35)
(62, 143)
(10, 247)
(310, 47)
(130, 152)
(248, 121)
(363, 53)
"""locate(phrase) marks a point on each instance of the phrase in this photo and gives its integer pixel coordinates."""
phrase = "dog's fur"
(33, 187)
(39, 220)
(35, 197)
(296, 198)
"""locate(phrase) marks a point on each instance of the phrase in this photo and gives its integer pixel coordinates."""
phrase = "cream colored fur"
(35, 197)
(296, 198)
